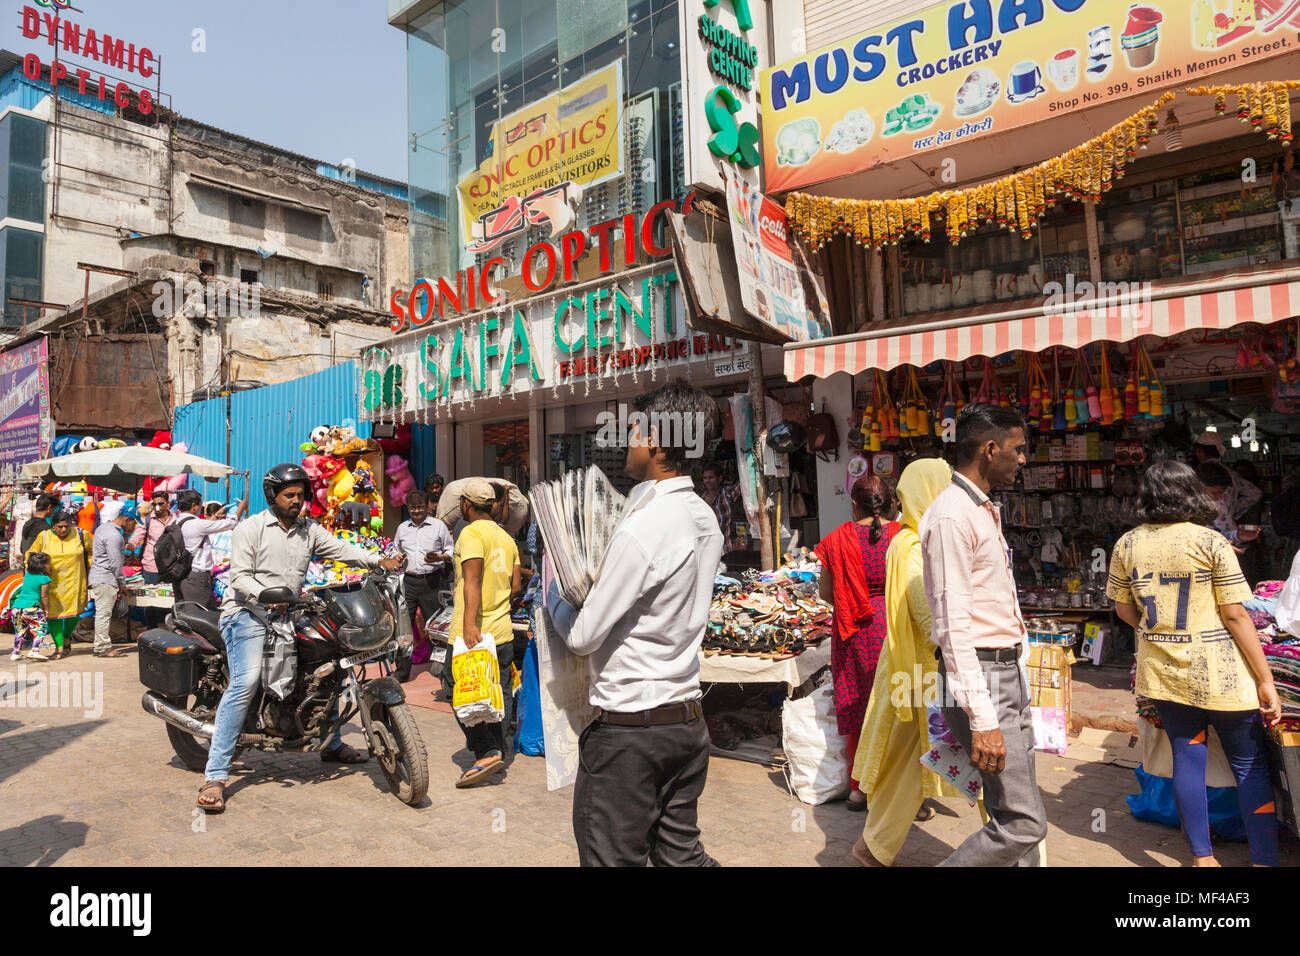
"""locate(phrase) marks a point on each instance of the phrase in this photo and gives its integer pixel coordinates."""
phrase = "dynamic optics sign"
(68, 38)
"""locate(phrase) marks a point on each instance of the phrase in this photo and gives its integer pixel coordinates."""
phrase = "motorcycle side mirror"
(277, 596)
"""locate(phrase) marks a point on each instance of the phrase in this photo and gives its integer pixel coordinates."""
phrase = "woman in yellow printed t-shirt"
(1178, 584)
(486, 562)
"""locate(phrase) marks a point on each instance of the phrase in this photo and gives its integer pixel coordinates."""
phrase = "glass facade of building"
(473, 65)
(22, 251)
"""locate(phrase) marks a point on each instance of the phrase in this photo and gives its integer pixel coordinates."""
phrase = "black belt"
(426, 575)
(996, 655)
(656, 717)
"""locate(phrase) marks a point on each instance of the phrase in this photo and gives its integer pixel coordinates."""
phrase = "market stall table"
(136, 597)
(793, 671)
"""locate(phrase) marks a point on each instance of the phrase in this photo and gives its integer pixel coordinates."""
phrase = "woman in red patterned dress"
(853, 581)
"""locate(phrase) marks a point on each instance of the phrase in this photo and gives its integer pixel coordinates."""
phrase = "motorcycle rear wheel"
(192, 750)
(400, 751)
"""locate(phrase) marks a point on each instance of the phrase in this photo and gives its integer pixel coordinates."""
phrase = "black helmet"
(278, 476)
(785, 437)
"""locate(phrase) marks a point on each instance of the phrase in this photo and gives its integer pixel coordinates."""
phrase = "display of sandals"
(774, 620)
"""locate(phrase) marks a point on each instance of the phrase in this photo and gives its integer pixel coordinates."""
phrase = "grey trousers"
(1017, 820)
(105, 596)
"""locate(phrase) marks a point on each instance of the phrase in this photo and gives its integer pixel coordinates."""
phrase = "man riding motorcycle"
(268, 550)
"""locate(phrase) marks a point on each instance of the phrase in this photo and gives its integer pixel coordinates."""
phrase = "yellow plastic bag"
(477, 696)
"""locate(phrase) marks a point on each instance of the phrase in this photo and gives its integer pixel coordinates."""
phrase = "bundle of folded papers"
(576, 515)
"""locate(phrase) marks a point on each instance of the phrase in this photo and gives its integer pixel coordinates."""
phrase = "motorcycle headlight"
(387, 626)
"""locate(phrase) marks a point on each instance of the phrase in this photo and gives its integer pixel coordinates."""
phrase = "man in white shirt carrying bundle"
(645, 758)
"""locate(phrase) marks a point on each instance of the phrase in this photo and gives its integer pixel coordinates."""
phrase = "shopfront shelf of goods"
(1222, 188)
(1231, 225)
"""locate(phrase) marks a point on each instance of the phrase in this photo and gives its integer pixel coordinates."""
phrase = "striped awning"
(1035, 330)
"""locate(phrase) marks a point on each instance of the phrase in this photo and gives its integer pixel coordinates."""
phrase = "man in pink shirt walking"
(980, 634)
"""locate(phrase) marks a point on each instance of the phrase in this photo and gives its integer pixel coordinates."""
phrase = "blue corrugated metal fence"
(268, 424)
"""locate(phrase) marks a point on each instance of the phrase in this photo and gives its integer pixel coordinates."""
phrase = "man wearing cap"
(486, 563)
(1238, 497)
(106, 581)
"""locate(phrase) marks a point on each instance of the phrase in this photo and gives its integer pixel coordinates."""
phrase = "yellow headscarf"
(922, 481)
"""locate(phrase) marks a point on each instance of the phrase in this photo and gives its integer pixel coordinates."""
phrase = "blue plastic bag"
(528, 738)
(1155, 804)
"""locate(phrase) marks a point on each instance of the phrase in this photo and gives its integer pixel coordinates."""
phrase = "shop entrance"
(505, 451)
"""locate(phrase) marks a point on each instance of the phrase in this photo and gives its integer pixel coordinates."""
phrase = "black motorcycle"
(338, 633)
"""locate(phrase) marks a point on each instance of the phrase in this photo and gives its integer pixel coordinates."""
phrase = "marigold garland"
(1019, 201)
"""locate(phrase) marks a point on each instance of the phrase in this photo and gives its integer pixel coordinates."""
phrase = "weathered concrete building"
(229, 260)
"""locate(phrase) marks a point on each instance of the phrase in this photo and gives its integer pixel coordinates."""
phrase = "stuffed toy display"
(345, 490)
(400, 480)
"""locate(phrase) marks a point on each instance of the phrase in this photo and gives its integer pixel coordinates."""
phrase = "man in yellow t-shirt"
(486, 562)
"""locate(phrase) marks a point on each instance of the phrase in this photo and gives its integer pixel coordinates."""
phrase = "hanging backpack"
(823, 437)
(170, 555)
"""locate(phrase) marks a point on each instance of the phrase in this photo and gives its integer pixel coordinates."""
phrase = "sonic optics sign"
(68, 38)
(634, 323)
(543, 267)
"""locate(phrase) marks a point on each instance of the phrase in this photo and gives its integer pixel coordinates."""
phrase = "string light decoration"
(1019, 201)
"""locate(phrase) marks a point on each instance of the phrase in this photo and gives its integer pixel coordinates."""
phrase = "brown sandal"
(214, 791)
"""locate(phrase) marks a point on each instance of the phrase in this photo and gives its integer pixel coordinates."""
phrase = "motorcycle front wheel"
(400, 751)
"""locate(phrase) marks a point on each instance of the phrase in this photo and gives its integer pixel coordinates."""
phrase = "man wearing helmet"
(268, 550)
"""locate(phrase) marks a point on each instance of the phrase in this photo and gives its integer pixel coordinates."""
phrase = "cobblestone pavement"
(90, 789)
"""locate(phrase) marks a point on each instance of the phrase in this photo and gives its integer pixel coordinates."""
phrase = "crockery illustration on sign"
(977, 92)
(1025, 83)
(797, 142)
(853, 131)
(915, 113)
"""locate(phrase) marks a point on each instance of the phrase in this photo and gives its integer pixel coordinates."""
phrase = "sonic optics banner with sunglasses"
(966, 69)
(540, 157)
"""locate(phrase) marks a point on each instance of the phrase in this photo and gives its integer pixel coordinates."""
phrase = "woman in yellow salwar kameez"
(69, 550)
(894, 736)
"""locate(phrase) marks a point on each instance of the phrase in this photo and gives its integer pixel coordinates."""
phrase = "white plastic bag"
(476, 698)
(1287, 611)
(817, 764)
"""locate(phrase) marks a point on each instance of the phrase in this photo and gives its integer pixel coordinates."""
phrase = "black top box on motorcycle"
(169, 663)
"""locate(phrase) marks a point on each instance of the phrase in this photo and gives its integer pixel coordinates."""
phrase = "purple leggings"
(1242, 734)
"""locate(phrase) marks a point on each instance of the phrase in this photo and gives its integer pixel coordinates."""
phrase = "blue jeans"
(245, 636)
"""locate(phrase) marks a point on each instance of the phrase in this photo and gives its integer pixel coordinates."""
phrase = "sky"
(324, 78)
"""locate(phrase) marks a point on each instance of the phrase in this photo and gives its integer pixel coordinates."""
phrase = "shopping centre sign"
(720, 107)
(966, 69)
(67, 38)
(624, 326)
